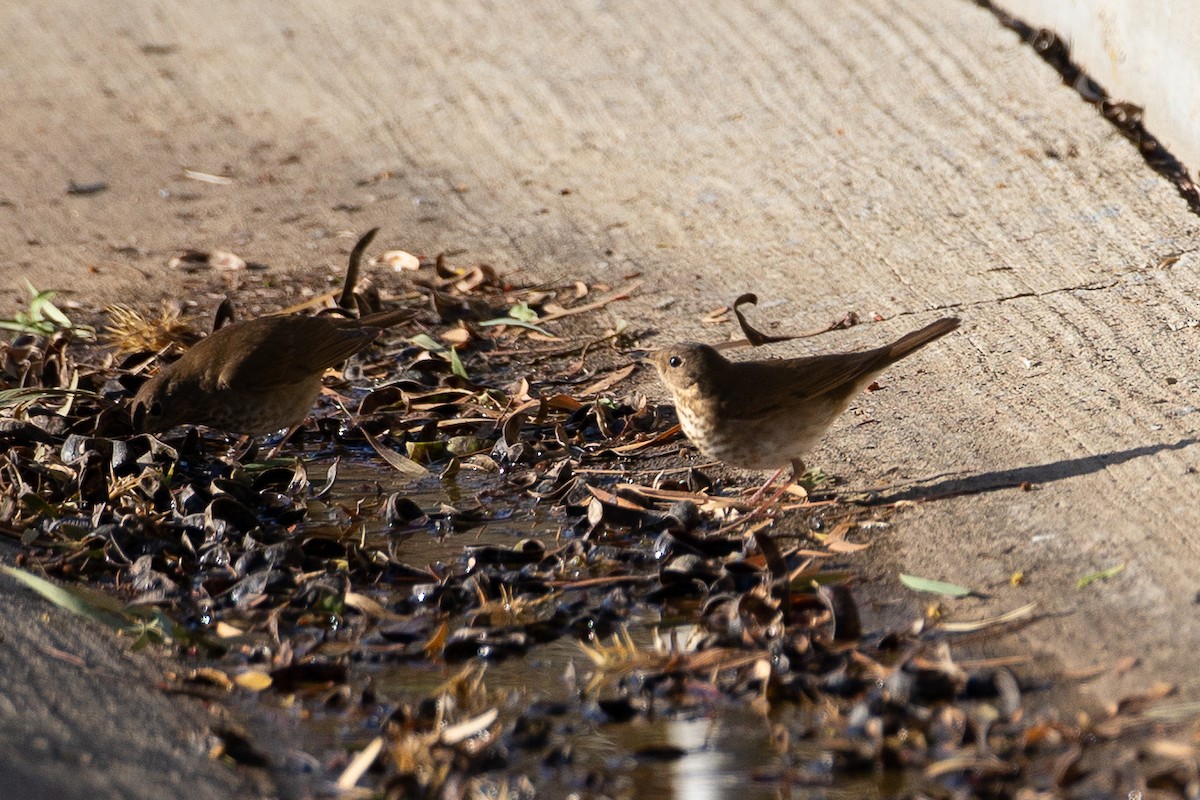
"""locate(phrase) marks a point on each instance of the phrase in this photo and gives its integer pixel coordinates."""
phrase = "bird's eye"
(675, 361)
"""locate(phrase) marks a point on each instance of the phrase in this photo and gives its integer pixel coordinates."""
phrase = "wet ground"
(488, 567)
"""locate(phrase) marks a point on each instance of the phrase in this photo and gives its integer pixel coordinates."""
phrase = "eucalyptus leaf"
(456, 365)
(516, 323)
(934, 587)
(427, 342)
(92, 605)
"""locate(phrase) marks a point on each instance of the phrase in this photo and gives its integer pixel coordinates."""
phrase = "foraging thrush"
(767, 414)
(254, 377)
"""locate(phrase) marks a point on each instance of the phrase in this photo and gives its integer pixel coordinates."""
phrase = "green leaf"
(29, 394)
(43, 317)
(23, 325)
(92, 605)
(40, 308)
(427, 342)
(934, 587)
(516, 323)
(523, 312)
(456, 365)
(1102, 575)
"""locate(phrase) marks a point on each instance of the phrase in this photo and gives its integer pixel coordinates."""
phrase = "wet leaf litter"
(484, 553)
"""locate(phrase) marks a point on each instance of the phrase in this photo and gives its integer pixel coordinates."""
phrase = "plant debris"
(473, 491)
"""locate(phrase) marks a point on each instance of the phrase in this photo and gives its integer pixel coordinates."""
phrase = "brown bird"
(254, 377)
(768, 414)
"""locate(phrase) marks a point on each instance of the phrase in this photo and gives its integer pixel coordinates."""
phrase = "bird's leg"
(798, 470)
(754, 498)
(287, 435)
(242, 448)
(758, 504)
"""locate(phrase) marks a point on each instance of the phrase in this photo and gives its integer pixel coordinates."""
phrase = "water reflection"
(729, 755)
(722, 750)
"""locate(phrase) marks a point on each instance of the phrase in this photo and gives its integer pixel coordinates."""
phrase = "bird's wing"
(285, 354)
(771, 386)
(765, 387)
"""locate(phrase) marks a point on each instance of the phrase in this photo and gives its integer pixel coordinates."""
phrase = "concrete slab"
(1140, 51)
(900, 160)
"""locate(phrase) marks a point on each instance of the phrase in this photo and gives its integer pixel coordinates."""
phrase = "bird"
(769, 414)
(254, 377)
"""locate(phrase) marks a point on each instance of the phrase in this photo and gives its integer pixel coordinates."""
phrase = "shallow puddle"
(713, 748)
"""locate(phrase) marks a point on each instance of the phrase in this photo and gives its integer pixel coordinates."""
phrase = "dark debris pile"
(283, 581)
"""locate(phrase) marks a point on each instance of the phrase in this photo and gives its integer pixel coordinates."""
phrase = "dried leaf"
(226, 631)
(1015, 615)
(843, 546)
(358, 765)
(400, 261)
(209, 676)
(427, 342)
(253, 680)
(206, 177)
(454, 734)
(226, 261)
(456, 365)
(608, 381)
(623, 294)
(369, 606)
(402, 464)
(752, 335)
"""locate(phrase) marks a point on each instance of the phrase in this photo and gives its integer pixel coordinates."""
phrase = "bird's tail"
(917, 339)
(386, 319)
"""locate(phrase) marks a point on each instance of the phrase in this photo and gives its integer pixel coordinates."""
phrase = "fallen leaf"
(1102, 575)
(754, 336)
(623, 294)
(934, 587)
(358, 765)
(401, 463)
(515, 323)
(608, 381)
(226, 261)
(226, 631)
(86, 603)
(453, 734)
(456, 365)
(205, 177)
(969, 627)
(253, 680)
(399, 260)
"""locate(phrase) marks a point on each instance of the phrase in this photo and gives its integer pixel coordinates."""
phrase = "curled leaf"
(754, 336)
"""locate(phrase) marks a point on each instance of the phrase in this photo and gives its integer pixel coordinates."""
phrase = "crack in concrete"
(1085, 287)
(1125, 117)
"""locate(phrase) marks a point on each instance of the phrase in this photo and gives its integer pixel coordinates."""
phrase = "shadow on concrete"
(1016, 478)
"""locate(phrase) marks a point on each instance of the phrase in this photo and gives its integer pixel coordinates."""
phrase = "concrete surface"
(1140, 51)
(902, 160)
(82, 718)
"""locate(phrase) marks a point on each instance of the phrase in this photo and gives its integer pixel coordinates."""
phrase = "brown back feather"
(768, 386)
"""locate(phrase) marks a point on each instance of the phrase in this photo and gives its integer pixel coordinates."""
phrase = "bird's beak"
(642, 356)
